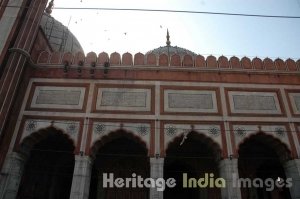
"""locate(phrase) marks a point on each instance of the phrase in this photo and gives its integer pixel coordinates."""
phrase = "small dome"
(171, 50)
(59, 37)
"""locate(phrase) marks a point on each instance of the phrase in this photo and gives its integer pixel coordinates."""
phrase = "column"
(81, 177)
(229, 171)
(156, 171)
(292, 170)
(10, 176)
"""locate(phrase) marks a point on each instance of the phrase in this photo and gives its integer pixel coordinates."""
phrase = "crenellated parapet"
(163, 60)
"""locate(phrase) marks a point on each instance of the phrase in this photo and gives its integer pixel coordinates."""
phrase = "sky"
(132, 31)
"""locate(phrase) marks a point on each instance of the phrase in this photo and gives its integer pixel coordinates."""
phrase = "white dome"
(59, 37)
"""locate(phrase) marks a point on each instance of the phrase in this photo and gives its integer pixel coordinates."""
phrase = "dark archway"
(49, 167)
(119, 153)
(195, 157)
(261, 156)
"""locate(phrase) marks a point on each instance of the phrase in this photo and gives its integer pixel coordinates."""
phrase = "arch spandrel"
(102, 131)
(275, 135)
(211, 133)
(38, 127)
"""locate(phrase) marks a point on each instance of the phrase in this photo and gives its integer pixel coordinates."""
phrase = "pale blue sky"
(203, 34)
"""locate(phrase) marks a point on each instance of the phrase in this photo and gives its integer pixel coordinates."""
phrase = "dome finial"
(48, 10)
(168, 38)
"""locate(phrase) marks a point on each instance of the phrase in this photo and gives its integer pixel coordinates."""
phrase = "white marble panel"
(254, 102)
(295, 102)
(124, 99)
(50, 97)
(194, 101)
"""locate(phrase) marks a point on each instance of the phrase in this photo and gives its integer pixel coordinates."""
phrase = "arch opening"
(124, 156)
(261, 158)
(196, 157)
(48, 170)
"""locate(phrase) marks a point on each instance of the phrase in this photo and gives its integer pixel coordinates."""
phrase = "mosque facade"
(84, 126)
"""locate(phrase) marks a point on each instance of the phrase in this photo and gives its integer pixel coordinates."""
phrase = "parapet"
(163, 60)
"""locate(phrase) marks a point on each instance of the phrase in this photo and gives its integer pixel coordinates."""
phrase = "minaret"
(168, 38)
(168, 45)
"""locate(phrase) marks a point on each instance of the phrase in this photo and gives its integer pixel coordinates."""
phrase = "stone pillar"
(156, 171)
(292, 170)
(229, 171)
(81, 177)
(10, 176)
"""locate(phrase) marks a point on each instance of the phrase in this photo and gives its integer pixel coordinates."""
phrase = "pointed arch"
(281, 149)
(31, 140)
(121, 153)
(120, 133)
(49, 165)
(196, 156)
(263, 156)
(197, 137)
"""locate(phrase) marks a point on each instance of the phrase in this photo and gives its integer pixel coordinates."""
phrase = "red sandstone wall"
(139, 59)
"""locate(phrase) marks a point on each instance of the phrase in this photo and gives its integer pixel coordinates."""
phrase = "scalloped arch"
(115, 135)
(281, 149)
(199, 137)
(29, 142)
